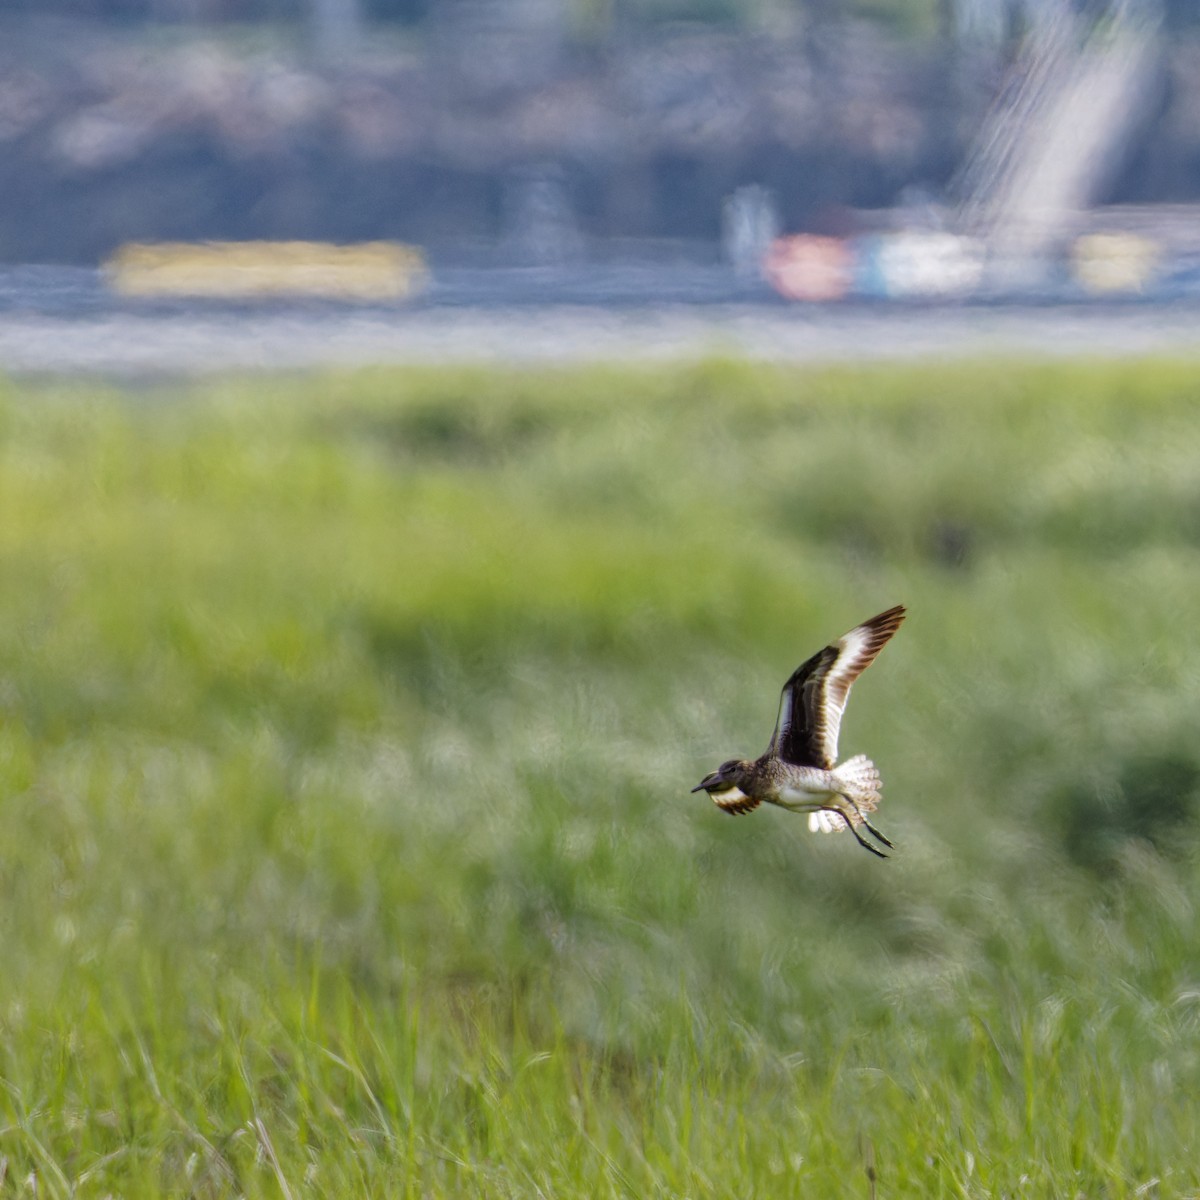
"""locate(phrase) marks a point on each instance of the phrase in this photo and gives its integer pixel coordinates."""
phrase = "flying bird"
(799, 770)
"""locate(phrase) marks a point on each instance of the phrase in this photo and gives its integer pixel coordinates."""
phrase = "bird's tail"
(859, 777)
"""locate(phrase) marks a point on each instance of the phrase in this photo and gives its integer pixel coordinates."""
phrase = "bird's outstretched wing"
(734, 801)
(813, 700)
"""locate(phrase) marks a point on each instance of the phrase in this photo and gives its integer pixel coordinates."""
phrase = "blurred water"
(65, 319)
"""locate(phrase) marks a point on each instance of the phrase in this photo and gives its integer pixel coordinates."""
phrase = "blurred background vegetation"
(346, 731)
(914, 16)
(585, 14)
(618, 129)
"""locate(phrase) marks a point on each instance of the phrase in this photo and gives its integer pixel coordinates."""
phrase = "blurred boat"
(807, 267)
(1115, 263)
(917, 265)
(367, 271)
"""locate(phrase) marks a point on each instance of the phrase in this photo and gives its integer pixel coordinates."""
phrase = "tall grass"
(346, 731)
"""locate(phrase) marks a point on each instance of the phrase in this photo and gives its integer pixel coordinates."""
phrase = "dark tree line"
(911, 16)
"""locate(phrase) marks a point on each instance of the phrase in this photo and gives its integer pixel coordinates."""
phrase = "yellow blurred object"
(1114, 262)
(236, 270)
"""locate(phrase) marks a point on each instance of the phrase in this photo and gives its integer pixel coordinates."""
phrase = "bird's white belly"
(805, 796)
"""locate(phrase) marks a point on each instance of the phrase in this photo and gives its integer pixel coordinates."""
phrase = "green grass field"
(347, 726)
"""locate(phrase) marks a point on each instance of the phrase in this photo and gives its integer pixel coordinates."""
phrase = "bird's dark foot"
(862, 841)
(879, 837)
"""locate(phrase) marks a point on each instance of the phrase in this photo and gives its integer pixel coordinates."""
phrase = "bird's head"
(728, 775)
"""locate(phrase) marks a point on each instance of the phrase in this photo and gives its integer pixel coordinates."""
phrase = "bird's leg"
(879, 837)
(867, 824)
(858, 837)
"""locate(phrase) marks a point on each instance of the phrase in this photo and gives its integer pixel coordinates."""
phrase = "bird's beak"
(707, 782)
